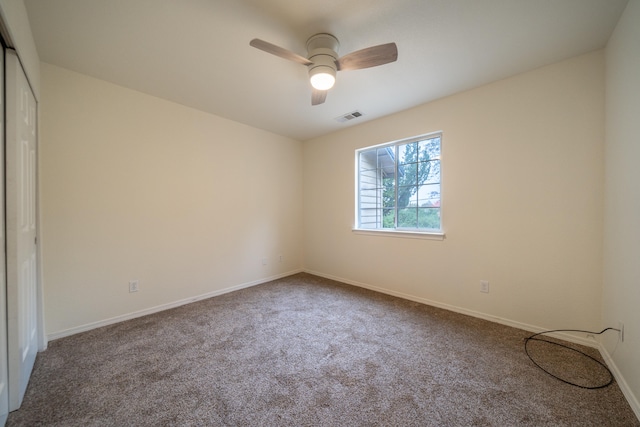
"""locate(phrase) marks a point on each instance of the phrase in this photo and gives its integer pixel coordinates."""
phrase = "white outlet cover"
(484, 286)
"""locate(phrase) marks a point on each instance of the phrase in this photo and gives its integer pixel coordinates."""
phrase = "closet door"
(4, 380)
(21, 241)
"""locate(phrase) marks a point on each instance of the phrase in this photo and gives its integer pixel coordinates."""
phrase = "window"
(398, 185)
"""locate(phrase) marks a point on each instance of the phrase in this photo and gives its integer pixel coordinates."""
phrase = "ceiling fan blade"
(318, 96)
(369, 57)
(279, 51)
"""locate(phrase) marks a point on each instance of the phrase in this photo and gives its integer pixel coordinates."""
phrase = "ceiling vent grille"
(349, 116)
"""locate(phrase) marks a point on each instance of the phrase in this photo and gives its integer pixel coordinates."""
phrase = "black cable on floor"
(532, 338)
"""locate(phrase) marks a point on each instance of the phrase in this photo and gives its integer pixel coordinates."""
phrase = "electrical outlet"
(134, 285)
(279, 258)
(484, 286)
(265, 261)
(621, 330)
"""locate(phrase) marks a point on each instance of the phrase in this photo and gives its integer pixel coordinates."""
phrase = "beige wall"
(522, 191)
(621, 294)
(135, 187)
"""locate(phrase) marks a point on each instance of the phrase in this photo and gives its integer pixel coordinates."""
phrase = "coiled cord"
(533, 338)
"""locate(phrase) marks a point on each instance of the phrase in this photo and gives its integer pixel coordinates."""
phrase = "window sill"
(427, 235)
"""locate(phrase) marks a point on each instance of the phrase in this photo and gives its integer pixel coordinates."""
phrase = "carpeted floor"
(307, 351)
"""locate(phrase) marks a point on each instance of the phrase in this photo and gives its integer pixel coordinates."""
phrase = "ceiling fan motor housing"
(323, 52)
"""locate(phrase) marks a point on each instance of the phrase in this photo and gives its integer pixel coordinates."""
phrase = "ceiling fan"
(323, 61)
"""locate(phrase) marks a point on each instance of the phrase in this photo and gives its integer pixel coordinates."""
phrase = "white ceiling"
(197, 53)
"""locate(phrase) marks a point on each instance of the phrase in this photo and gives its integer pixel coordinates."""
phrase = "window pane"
(406, 196)
(369, 180)
(369, 218)
(367, 160)
(389, 181)
(408, 174)
(430, 149)
(369, 197)
(408, 153)
(408, 217)
(429, 218)
(389, 218)
(435, 171)
(429, 195)
(386, 160)
(429, 172)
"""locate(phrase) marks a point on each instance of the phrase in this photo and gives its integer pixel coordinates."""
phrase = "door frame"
(4, 346)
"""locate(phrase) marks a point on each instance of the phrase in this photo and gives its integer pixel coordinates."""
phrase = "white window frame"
(396, 232)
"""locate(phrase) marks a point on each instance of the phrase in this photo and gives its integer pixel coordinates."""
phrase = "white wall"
(522, 191)
(135, 187)
(621, 294)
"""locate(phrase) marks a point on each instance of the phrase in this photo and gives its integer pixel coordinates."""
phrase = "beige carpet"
(306, 351)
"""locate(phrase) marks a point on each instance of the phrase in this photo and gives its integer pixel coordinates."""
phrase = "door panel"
(21, 229)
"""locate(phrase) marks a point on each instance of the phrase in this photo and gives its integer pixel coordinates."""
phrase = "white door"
(21, 242)
(4, 380)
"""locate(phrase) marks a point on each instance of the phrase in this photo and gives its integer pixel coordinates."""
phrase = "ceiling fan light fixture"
(323, 61)
(322, 77)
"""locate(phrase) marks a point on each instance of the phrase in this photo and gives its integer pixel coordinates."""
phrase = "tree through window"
(399, 185)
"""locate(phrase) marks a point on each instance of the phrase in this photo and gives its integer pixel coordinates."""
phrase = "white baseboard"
(162, 307)
(622, 383)
(590, 342)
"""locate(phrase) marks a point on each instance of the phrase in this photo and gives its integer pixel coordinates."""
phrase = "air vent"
(349, 116)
